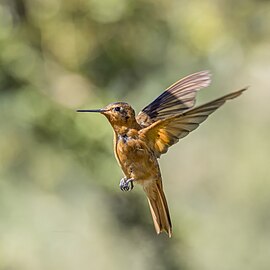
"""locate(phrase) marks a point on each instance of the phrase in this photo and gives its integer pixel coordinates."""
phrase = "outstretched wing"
(164, 133)
(176, 99)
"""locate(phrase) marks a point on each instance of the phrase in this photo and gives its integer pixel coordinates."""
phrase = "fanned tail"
(159, 207)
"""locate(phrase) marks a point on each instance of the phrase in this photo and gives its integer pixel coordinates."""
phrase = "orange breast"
(135, 158)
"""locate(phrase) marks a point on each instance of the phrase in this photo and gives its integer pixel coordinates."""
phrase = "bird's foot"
(124, 184)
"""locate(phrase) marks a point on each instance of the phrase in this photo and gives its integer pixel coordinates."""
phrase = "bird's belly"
(136, 159)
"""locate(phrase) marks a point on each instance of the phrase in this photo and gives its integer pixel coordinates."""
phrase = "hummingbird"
(140, 140)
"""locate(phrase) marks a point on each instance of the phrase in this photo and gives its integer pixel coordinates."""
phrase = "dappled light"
(60, 202)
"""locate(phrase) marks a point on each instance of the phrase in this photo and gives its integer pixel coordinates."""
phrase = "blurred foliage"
(60, 206)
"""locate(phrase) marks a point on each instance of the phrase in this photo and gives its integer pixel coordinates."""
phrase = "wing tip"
(237, 93)
(204, 76)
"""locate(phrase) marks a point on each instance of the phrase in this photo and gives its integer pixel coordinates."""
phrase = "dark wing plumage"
(176, 99)
(164, 133)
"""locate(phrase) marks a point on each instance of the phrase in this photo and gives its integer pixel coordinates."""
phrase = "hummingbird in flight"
(140, 140)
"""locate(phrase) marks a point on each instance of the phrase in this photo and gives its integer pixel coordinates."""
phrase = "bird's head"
(119, 114)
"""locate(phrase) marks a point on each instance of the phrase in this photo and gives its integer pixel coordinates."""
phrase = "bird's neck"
(126, 128)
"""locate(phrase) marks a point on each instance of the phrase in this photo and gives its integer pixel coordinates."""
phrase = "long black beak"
(98, 110)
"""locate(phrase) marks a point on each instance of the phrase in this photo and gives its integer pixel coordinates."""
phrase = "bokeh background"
(60, 204)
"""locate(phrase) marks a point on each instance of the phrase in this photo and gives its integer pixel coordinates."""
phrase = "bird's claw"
(124, 184)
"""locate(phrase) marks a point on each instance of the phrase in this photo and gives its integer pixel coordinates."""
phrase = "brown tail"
(159, 208)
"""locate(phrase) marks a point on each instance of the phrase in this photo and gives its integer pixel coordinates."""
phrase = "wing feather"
(176, 99)
(164, 133)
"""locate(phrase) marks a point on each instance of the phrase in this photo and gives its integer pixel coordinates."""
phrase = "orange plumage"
(139, 141)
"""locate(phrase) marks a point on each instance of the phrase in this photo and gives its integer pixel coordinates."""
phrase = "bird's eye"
(117, 109)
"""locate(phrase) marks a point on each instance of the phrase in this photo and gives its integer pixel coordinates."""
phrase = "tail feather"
(159, 208)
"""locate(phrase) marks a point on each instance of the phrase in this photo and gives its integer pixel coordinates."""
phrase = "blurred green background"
(60, 204)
